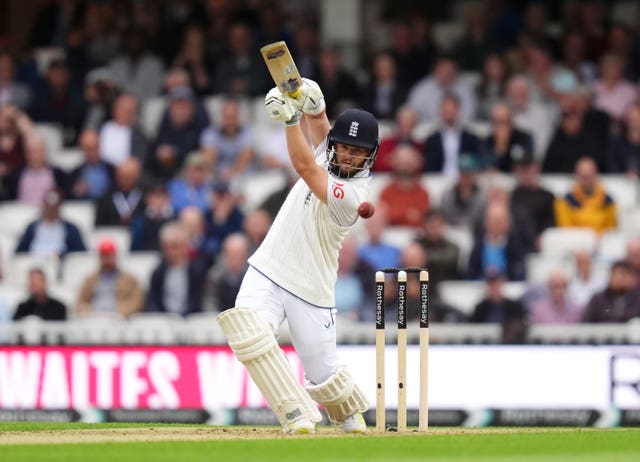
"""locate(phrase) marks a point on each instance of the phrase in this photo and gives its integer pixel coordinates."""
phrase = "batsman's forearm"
(299, 151)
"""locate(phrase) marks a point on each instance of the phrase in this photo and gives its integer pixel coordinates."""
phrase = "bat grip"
(295, 94)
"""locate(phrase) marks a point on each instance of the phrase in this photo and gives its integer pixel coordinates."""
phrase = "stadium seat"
(52, 136)
(463, 295)
(539, 266)
(66, 159)
(514, 290)
(377, 184)
(203, 329)
(77, 266)
(151, 115)
(422, 131)
(261, 184)
(622, 189)
(436, 185)
(141, 265)
(560, 241)
(155, 328)
(612, 245)
(13, 294)
(400, 236)
(465, 333)
(15, 216)
(447, 33)
(96, 329)
(616, 333)
(480, 128)
(17, 272)
(385, 128)
(120, 235)
(80, 213)
(463, 238)
(558, 184)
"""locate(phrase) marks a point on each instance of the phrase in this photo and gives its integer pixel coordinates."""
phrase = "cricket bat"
(282, 68)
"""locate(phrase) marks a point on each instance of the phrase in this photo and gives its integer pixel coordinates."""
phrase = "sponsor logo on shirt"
(338, 190)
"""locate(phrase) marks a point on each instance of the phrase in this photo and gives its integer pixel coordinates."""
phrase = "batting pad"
(255, 345)
(339, 395)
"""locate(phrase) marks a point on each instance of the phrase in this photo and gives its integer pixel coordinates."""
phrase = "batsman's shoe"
(300, 427)
(354, 424)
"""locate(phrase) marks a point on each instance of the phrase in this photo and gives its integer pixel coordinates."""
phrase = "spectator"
(229, 148)
(255, 225)
(39, 303)
(472, 49)
(202, 247)
(118, 206)
(50, 235)
(383, 94)
(12, 92)
(110, 289)
(632, 256)
(585, 281)
(413, 59)
(548, 80)
(573, 139)
(194, 188)
(443, 148)
(136, 70)
(376, 252)
(427, 95)
(176, 284)
(505, 142)
(496, 246)
(587, 204)
(241, 71)
(530, 198)
(193, 57)
(121, 138)
(444, 255)
(93, 178)
(613, 94)
(226, 276)
(31, 182)
(591, 23)
(350, 291)
(178, 135)
(536, 25)
(496, 308)
(178, 77)
(529, 115)
(493, 84)
(15, 128)
(405, 123)
(404, 197)
(463, 202)
(555, 306)
(305, 46)
(100, 93)
(619, 301)
(145, 226)
(57, 101)
(624, 150)
(574, 58)
(338, 85)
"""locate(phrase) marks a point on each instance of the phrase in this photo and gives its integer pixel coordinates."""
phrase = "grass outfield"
(267, 444)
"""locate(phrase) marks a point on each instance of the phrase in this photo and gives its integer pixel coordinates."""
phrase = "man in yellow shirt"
(587, 204)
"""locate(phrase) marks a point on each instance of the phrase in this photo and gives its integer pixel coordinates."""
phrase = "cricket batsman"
(292, 275)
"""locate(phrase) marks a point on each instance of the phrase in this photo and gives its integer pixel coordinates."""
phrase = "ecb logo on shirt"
(353, 129)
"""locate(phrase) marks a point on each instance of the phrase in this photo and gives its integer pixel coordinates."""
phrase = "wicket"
(423, 407)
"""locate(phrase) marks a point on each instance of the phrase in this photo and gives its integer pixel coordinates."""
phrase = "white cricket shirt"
(300, 251)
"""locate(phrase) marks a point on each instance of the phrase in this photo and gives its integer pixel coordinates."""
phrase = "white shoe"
(354, 424)
(300, 427)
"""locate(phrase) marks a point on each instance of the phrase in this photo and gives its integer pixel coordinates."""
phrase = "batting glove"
(281, 108)
(310, 99)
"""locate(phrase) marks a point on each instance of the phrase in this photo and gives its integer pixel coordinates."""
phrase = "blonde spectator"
(556, 306)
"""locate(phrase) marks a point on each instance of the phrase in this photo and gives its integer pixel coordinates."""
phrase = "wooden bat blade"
(282, 68)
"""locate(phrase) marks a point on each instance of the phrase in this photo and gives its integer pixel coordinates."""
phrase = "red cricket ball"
(365, 210)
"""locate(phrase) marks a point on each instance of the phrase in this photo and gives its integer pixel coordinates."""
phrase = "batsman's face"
(350, 158)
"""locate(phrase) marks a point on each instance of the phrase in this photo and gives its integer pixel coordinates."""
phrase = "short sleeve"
(343, 201)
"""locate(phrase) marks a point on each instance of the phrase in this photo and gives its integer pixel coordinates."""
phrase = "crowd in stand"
(508, 98)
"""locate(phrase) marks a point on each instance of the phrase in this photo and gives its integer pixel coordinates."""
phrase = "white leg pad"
(339, 395)
(255, 345)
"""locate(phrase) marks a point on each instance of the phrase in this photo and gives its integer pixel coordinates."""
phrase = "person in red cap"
(109, 289)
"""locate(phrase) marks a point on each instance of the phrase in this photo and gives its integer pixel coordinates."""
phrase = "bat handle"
(295, 94)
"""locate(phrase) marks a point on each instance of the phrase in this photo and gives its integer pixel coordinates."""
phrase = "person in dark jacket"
(505, 142)
(119, 205)
(50, 234)
(619, 301)
(624, 151)
(177, 283)
(39, 303)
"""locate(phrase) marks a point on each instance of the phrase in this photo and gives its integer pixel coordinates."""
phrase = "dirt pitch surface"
(151, 433)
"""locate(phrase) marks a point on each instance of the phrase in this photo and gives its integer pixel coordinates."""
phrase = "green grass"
(579, 445)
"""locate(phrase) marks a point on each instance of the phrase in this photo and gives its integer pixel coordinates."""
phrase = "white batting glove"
(281, 108)
(310, 99)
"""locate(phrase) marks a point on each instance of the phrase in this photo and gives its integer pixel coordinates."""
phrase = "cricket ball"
(365, 210)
